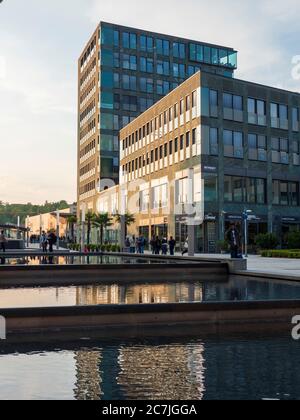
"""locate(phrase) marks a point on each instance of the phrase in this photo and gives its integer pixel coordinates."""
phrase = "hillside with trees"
(9, 212)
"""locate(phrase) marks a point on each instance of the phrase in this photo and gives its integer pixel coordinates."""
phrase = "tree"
(267, 241)
(89, 220)
(129, 220)
(71, 221)
(103, 221)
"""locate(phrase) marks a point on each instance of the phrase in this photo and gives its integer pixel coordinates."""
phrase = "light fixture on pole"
(246, 214)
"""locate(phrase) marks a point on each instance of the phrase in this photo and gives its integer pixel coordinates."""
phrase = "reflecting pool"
(175, 369)
(236, 289)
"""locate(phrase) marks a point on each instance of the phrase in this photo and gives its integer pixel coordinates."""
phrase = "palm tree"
(90, 218)
(71, 221)
(102, 220)
(129, 220)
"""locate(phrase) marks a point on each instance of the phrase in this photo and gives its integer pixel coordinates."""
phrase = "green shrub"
(293, 254)
(294, 240)
(266, 241)
(223, 245)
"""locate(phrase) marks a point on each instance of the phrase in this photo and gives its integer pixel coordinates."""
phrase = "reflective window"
(146, 43)
(179, 50)
(257, 145)
(233, 144)
(146, 65)
(163, 67)
(163, 47)
(280, 150)
(129, 40)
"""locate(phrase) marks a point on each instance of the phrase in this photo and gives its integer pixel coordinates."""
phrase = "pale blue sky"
(41, 40)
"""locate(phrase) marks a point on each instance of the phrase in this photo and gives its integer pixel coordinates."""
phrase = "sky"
(40, 42)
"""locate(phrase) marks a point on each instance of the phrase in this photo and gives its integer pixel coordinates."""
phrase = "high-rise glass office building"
(121, 73)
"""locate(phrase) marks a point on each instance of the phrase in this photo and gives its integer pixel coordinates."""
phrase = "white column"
(82, 227)
(57, 229)
(190, 212)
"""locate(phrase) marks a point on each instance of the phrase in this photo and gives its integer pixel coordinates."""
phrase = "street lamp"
(246, 218)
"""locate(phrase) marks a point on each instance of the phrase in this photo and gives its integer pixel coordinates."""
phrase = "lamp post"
(57, 229)
(83, 228)
(246, 218)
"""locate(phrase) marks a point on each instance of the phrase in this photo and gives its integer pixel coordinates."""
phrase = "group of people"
(159, 246)
(136, 244)
(46, 240)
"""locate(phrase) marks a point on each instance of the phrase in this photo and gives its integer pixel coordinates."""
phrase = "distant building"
(48, 221)
(121, 73)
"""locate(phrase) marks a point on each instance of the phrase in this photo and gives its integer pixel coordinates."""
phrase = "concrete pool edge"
(268, 275)
(234, 265)
(50, 276)
(137, 317)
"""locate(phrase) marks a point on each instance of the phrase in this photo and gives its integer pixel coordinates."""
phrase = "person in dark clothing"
(51, 241)
(234, 239)
(157, 246)
(3, 241)
(172, 245)
(152, 244)
(164, 246)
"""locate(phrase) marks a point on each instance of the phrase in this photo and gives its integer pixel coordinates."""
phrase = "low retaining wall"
(40, 320)
(61, 275)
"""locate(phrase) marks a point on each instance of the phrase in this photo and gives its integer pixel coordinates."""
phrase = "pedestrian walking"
(234, 239)
(152, 244)
(3, 241)
(51, 240)
(164, 246)
(132, 242)
(157, 246)
(44, 242)
(185, 247)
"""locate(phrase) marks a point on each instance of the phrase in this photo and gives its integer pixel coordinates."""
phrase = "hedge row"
(290, 253)
(96, 248)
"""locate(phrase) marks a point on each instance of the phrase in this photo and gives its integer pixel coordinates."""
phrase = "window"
(163, 67)
(147, 85)
(163, 47)
(130, 103)
(129, 82)
(129, 62)
(194, 136)
(129, 40)
(116, 38)
(192, 70)
(257, 112)
(187, 103)
(144, 200)
(244, 190)
(233, 144)
(257, 146)
(213, 142)
(181, 191)
(145, 103)
(194, 99)
(233, 107)
(279, 116)
(116, 80)
(179, 70)
(116, 60)
(176, 145)
(296, 153)
(280, 150)
(146, 43)
(296, 119)
(179, 50)
(146, 65)
(285, 193)
(209, 100)
(181, 108)
(160, 196)
(187, 139)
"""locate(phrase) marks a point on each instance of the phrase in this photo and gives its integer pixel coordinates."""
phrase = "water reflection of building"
(88, 376)
(140, 294)
(174, 372)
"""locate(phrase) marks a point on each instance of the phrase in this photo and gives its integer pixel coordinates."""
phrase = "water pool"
(238, 288)
(176, 369)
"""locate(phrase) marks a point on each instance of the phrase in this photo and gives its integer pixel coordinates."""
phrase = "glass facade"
(137, 69)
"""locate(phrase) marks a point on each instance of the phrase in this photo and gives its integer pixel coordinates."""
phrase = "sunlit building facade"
(211, 149)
